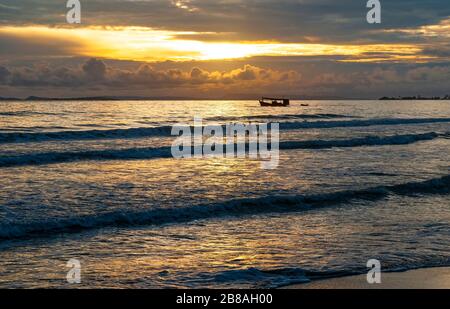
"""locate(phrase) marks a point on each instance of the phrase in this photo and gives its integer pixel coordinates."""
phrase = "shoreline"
(422, 278)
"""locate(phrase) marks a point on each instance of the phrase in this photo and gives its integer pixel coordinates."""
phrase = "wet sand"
(428, 278)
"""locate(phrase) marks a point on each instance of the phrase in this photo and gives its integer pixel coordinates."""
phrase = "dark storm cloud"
(283, 20)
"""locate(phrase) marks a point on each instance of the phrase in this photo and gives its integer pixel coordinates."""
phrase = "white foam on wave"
(24, 137)
(233, 208)
(165, 152)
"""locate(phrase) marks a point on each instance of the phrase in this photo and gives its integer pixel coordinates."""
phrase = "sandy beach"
(427, 278)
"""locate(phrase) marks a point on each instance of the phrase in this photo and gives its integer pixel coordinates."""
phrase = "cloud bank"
(95, 77)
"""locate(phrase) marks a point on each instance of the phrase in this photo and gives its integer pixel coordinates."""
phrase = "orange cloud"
(146, 44)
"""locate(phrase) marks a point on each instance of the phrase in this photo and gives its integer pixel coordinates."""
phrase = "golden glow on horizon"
(146, 44)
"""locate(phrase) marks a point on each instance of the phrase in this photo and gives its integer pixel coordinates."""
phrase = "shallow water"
(95, 181)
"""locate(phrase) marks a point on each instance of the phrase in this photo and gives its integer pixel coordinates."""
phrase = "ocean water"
(95, 181)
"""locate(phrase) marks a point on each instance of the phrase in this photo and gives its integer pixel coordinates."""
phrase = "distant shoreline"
(104, 98)
(415, 98)
(101, 98)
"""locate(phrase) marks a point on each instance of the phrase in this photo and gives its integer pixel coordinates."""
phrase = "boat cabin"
(274, 102)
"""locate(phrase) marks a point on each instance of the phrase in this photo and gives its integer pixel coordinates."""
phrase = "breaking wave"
(232, 208)
(17, 137)
(359, 123)
(24, 137)
(362, 141)
(165, 152)
(278, 277)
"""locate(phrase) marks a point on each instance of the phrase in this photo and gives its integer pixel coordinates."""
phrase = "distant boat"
(274, 102)
(304, 104)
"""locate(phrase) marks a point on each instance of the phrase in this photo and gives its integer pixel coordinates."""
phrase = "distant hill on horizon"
(447, 97)
(96, 98)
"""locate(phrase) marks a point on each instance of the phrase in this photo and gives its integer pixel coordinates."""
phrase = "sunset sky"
(224, 48)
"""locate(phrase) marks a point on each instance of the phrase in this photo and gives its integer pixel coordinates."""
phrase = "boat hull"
(266, 104)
